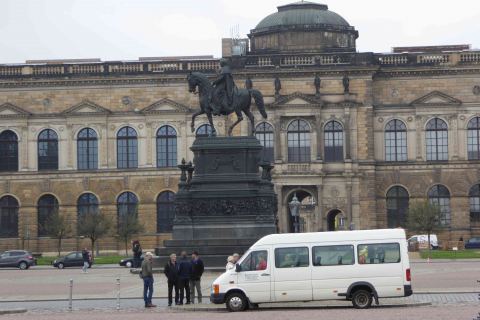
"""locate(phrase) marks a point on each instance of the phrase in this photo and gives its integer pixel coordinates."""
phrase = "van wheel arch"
(362, 285)
(241, 295)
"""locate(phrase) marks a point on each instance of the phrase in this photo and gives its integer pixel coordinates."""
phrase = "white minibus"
(359, 266)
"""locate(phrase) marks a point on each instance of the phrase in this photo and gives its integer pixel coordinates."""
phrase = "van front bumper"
(407, 290)
(217, 298)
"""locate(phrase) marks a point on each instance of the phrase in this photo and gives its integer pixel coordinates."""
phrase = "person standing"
(184, 273)
(197, 271)
(86, 260)
(137, 254)
(147, 276)
(171, 272)
(236, 257)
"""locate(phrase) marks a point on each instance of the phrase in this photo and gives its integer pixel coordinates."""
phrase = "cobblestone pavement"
(415, 313)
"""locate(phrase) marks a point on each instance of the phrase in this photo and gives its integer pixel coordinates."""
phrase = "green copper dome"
(302, 13)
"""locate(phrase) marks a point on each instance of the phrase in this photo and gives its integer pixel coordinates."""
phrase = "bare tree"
(424, 216)
(128, 226)
(58, 227)
(94, 226)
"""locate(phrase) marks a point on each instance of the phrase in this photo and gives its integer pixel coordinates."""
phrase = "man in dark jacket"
(184, 273)
(86, 260)
(137, 254)
(197, 271)
(171, 272)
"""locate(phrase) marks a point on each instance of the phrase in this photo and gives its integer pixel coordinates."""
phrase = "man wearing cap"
(147, 276)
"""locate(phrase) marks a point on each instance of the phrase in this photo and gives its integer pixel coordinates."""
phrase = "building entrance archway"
(307, 204)
(335, 220)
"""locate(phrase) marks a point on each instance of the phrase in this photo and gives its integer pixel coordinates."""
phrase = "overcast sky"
(128, 29)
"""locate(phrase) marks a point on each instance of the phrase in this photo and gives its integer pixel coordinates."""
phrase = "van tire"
(236, 302)
(362, 299)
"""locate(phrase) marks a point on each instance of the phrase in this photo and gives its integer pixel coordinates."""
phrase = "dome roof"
(302, 13)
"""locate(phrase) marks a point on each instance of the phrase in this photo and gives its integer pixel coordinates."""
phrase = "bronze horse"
(241, 102)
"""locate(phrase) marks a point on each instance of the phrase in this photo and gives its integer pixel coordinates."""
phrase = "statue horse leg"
(210, 120)
(250, 116)
(196, 114)
(239, 119)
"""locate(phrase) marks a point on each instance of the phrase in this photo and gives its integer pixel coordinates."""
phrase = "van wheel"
(362, 299)
(236, 302)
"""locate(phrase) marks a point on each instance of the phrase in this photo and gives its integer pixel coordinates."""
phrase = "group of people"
(183, 278)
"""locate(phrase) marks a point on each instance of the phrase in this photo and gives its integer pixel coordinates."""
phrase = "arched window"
(87, 149)
(473, 139)
(437, 140)
(333, 141)
(8, 151)
(8, 217)
(397, 207)
(166, 147)
(298, 136)
(127, 152)
(474, 196)
(440, 196)
(127, 204)
(165, 211)
(87, 203)
(395, 141)
(47, 205)
(264, 133)
(205, 130)
(48, 150)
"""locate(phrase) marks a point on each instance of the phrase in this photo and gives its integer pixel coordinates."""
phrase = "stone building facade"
(356, 136)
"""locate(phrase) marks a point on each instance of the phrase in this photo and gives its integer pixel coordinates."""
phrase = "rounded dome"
(302, 27)
(302, 13)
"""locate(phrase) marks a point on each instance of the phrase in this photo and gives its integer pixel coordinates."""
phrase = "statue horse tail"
(258, 97)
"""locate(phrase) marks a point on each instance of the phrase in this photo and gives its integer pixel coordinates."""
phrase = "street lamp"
(294, 206)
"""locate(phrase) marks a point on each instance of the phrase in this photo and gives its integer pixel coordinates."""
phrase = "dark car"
(472, 243)
(128, 262)
(17, 259)
(73, 259)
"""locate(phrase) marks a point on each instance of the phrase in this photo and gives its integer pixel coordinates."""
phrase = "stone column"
(149, 140)
(347, 132)
(453, 126)
(147, 213)
(23, 150)
(319, 129)
(320, 207)
(69, 145)
(103, 143)
(349, 204)
(419, 131)
(277, 140)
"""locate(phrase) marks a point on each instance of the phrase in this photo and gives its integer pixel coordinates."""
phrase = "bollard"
(70, 296)
(118, 293)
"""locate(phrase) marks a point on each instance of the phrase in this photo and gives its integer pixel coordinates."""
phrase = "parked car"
(17, 259)
(73, 259)
(128, 262)
(472, 243)
(422, 240)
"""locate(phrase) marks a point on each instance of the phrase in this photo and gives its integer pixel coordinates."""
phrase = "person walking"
(137, 253)
(171, 272)
(184, 273)
(147, 276)
(197, 271)
(86, 260)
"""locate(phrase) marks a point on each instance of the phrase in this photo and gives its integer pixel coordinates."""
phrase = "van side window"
(291, 257)
(378, 253)
(256, 260)
(333, 255)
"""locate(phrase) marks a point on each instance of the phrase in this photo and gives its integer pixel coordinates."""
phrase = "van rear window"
(378, 253)
(291, 257)
(333, 255)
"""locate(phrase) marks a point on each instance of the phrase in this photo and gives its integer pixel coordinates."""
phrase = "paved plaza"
(43, 291)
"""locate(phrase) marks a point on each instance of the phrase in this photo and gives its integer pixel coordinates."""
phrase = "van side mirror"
(238, 268)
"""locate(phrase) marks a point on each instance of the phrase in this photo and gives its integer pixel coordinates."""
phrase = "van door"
(292, 274)
(255, 276)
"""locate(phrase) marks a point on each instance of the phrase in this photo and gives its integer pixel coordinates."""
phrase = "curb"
(12, 311)
(299, 307)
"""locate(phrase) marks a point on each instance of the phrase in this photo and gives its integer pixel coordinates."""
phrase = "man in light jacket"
(147, 276)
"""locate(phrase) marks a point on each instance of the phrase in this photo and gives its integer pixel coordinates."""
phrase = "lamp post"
(294, 206)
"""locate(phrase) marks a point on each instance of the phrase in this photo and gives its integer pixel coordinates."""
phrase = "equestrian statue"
(222, 97)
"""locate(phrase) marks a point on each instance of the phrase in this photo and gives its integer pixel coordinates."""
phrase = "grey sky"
(128, 29)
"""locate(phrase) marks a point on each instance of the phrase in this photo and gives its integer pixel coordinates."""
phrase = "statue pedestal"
(227, 204)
